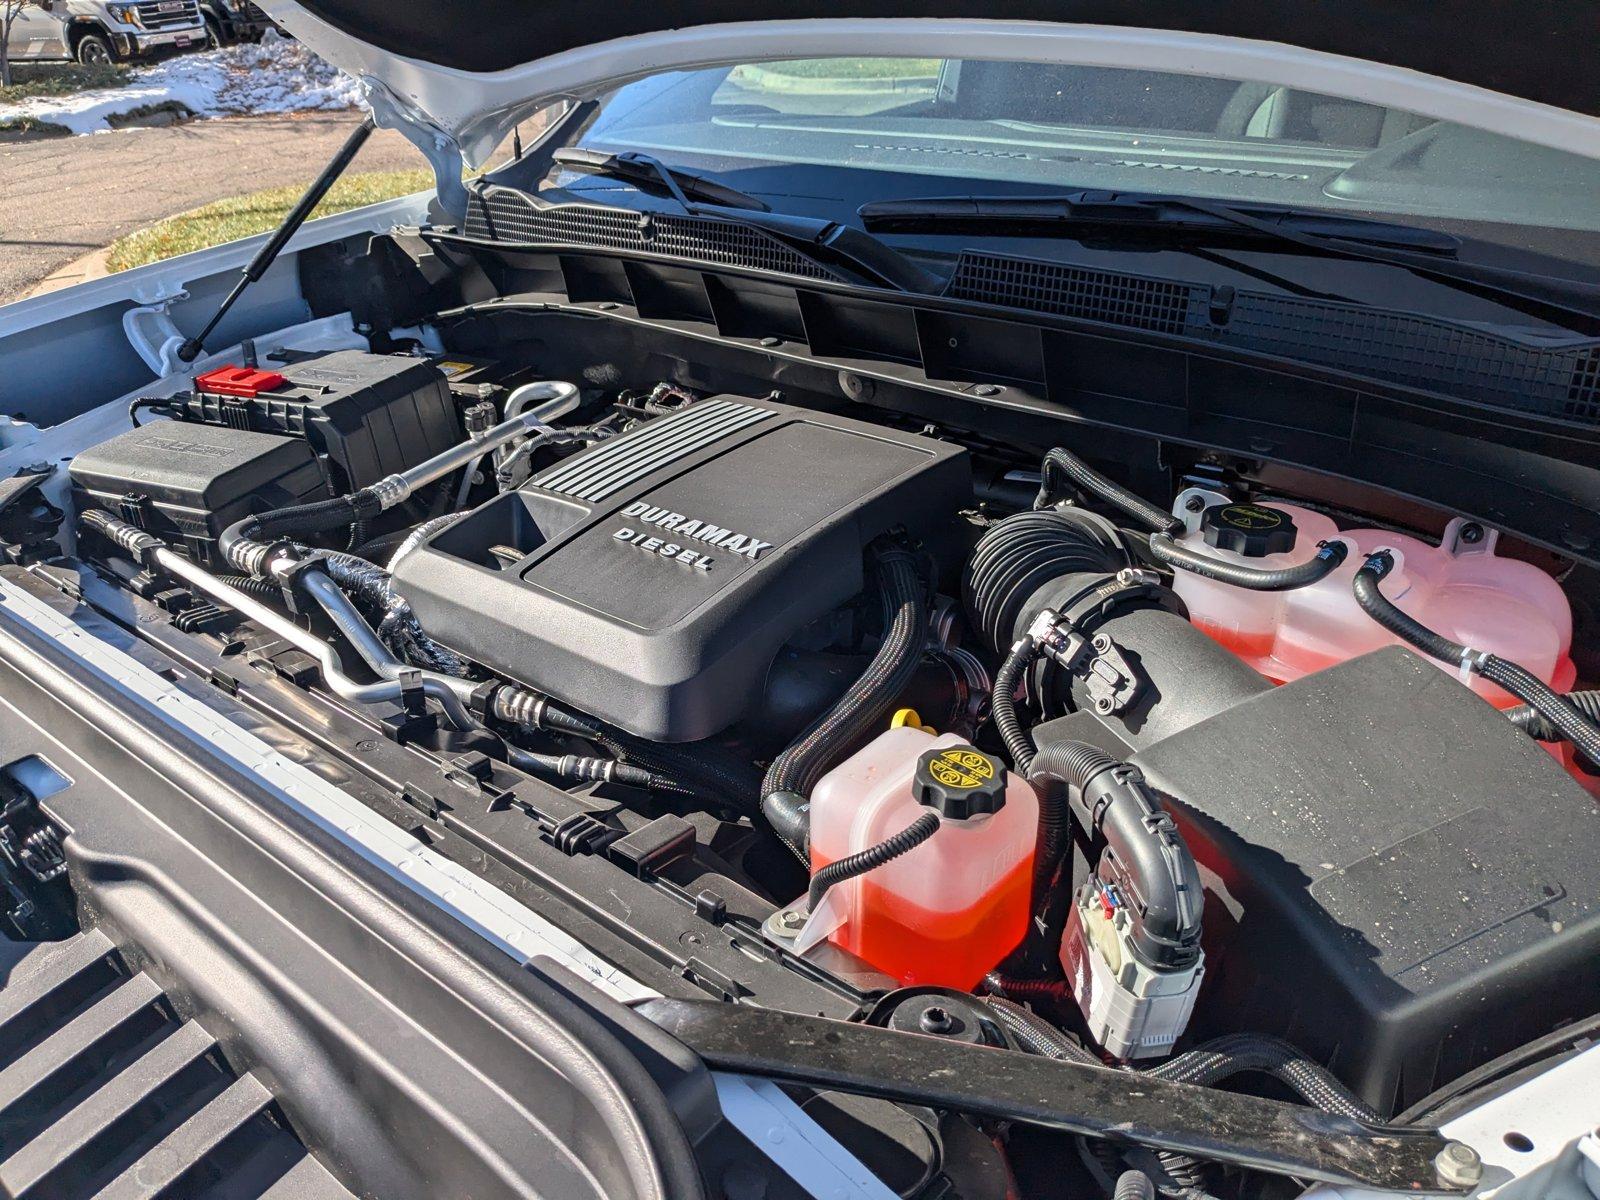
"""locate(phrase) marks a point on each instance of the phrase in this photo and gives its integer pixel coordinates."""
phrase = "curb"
(777, 81)
(81, 270)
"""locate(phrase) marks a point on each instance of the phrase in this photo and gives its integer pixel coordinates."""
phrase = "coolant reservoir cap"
(959, 782)
(1253, 530)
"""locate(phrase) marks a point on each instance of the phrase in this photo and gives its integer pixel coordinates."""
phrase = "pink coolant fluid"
(1461, 588)
(948, 911)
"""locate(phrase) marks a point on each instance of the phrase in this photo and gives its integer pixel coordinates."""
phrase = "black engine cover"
(650, 579)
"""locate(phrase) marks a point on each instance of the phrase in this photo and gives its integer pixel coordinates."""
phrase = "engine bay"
(832, 710)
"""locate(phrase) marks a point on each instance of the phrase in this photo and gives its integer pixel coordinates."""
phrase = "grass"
(35, 127)
(59, 79)
(855, 68)
(244, 216)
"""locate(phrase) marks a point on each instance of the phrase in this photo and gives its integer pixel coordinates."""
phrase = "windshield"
(916, 126)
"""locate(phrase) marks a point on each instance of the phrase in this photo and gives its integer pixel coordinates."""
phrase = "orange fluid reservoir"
(949, 910)
(1461, 588)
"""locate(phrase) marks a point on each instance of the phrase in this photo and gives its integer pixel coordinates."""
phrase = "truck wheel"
(94, 50)
(214, 38)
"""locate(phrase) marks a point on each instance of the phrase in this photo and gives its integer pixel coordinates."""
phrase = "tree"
(8, 14)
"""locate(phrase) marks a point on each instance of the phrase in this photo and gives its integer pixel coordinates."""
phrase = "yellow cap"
(904, 717)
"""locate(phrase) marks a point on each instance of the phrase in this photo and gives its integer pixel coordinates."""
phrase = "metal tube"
(392, 489)
(152, 550)
(454, 694)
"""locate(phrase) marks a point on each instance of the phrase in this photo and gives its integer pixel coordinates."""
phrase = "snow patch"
(275, 75)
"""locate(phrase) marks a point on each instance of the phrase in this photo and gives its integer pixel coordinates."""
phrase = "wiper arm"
(1426, 253)
(1033, 214)
(700, 196)
(650, 173)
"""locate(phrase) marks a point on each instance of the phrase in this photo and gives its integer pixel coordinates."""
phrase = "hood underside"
(456, 79)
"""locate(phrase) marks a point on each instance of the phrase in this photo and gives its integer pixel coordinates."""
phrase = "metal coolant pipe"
(153, 551)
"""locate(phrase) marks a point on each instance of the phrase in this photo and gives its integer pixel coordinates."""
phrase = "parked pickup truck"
(92, 31)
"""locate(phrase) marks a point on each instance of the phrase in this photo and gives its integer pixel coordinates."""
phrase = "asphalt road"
(61, 198)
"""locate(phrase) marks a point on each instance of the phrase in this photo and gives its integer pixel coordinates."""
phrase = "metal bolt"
(1194, 504)
(770, 342)
(1472, 533)
(987, 389)
(792, 918)
(1458, 1165)
(935, 1019)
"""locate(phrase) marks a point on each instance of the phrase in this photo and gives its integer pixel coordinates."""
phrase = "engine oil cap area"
(1253, 530)
(959, 782)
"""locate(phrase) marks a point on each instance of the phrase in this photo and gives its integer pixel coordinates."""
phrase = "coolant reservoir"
(1461, 589)
(946, 912)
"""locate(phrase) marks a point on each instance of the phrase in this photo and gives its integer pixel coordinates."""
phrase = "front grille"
(506, 215)
(598, 473)
(167, 14)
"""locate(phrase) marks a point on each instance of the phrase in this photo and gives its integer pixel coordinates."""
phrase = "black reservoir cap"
(1253, 530)
(960, 782)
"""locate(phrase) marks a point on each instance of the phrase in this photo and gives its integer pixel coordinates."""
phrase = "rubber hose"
(1059, 465)
(1039, 1036)
(1526, 718)
(1572, 722)
(867, 701)
(788, 814)
(1134, 1185)
(1116, 801)
(1329, 556)
(1003, 704)
(700, 765)
(859, 863)
(320, 516)
(1228, 1056)
(1011, 988)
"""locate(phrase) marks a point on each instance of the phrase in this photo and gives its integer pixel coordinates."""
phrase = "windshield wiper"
(652, 174)
(699, 196)
(1188, 221)
(1032, 215)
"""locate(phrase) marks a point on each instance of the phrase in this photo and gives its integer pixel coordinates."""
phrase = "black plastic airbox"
(650, 579)
(1399, 881)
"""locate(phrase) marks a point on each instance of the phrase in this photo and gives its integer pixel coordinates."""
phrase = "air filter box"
(1398, 880)
(370, 415)
(187, 483)
(650, 579)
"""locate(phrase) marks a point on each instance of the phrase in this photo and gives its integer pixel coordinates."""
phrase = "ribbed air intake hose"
(1236, 1053)
(1571, 721)
(867, 701)
(1018, 556)
(873, 857)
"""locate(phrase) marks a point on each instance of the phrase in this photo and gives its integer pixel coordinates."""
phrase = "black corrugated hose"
(859, 863)
(1567, 718)
(868, 699)
(1003, 703)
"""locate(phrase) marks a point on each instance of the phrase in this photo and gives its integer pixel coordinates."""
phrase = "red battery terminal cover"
(246, 382)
